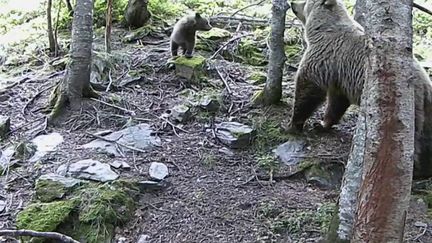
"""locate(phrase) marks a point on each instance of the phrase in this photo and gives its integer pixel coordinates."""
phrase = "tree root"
(51, 235)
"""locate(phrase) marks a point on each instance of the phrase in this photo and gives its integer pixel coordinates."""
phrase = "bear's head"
(201, 23)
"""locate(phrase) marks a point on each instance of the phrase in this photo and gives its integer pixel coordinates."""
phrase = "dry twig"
(50, 235)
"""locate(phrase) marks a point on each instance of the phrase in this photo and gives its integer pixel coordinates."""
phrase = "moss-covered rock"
(138, 33)
(45, 216)
(190, 68)
(249, 52)
(211, 40)
(51, 186)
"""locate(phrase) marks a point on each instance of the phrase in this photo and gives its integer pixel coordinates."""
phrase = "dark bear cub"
(184, 32)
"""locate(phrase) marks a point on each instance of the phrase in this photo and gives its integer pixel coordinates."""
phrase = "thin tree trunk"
(52, 44)
(108, 26)
(360, 12)
(272, 92)
(386, 186)
(76, 84)
(57, 47)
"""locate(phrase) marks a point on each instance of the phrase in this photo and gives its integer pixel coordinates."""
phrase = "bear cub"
(184, 32)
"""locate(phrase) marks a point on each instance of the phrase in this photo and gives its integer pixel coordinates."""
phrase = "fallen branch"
(421, 8)
(250, 20)
(224, 81)
(114, 106)
(226, 44)
(50, 235)
(35, 97)
(248, 6)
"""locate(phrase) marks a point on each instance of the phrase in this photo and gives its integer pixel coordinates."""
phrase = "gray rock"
(6, 157)
(325, 175)
(143, 239)
(139, 136)
(234, 134)
(45, 144)
(180, 113)
(118, 164)
(2, 205)
(4, 126)
(226, 151)
(52, 186)
(291, 152)
(149, 186)
(67, 182)
(90, 170)
(158, 171)
(209, 103)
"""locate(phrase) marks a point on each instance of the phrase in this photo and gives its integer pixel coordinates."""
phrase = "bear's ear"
(329, 3)
(197, 15)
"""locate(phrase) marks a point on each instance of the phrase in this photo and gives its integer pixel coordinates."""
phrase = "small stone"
(234, 134)
(116, 164)
(226, 151)
(180, 113)
(143, 239)
(158, 171)
(45, 144)
(209, 103)
(420, 224)
(6, 157)
(90, 170)
(2, 206)
(125, 166)
(146, 186)
(4, 126)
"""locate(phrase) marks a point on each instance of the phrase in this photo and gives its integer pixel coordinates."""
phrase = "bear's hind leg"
(337, 104)
(189, 47)
(308, 96)
(174, 48)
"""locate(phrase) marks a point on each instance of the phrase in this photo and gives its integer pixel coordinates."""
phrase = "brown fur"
(184, 32)
(136, 14)
(333, 67)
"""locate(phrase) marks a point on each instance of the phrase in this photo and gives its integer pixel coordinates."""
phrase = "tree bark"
(76, 83)
(52, 43)
(360, 12)
(389, 146)
(272, 92)
(108, 26)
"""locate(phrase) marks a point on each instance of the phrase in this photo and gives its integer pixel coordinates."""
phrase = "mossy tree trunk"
(360, 12)
(76, 83)
(385, 191)
(272, 92)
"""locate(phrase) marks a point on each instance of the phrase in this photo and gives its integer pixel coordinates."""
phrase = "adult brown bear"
(333, 66)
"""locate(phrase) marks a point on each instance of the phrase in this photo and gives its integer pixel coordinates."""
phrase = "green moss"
(292, 51)
(250, 53)
(269, 132)
(24, 150)
(48, 190)
(258, 78)
(194, 62)
(45, 216)
(139, 33)
(215, 34)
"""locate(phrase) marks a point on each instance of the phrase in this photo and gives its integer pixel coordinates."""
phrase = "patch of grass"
(165, 8)
(270, 163)
(269, 132)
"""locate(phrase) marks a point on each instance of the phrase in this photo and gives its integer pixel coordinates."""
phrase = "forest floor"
(213, 195)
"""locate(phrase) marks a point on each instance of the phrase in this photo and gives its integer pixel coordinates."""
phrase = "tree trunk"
(52, 43)
(272, 92)
(360, 12)
(108, 26)
(389, 147)
(76, 83)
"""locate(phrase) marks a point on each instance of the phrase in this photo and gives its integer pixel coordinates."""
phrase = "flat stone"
(139, 136)
(67, 182)
(2, 205)
(118, 164)
(52, 186)
(149, 186)
(209, 103)
(45, 144)
(158, 171)
(234, 134)
(4, 126)
(89, 170)
(291, 151)
(144, 239)
(6, 157)
(180, 113)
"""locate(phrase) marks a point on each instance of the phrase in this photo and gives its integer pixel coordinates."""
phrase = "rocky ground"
(200, 153)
